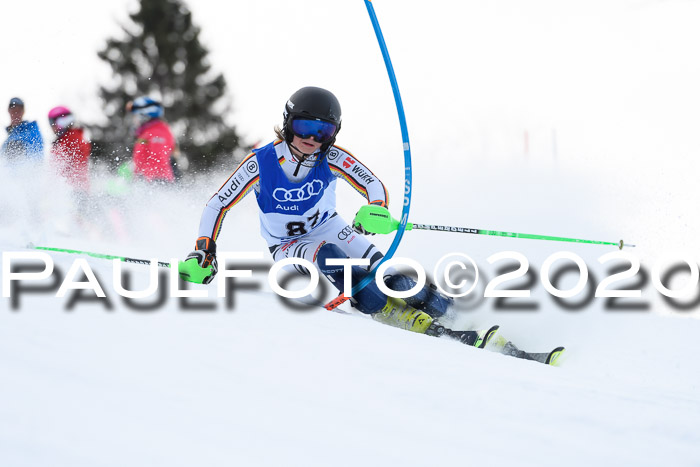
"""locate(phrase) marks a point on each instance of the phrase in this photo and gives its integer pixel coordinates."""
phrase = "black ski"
(477, 339)
(548, 358)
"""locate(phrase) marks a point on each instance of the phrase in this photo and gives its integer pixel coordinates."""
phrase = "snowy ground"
(258, 383)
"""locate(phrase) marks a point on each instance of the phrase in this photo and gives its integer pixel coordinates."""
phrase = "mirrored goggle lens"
(320, 130)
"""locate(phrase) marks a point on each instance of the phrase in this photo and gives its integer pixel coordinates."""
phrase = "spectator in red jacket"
(154, 143)
(70, 150)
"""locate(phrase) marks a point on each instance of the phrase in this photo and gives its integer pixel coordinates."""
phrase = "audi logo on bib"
(308, 191)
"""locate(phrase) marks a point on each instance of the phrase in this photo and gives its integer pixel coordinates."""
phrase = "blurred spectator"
(24, 141)
(154, 143)
(70, 150)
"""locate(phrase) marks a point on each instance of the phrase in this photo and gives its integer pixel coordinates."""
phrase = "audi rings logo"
(345, 233)
(308, 191)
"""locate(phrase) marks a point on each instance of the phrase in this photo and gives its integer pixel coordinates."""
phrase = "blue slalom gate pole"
(406, 154)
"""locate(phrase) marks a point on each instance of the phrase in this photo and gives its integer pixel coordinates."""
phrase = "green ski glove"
(200, 266)
(373, 219)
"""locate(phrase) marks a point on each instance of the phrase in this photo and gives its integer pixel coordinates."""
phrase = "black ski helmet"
(312, 102)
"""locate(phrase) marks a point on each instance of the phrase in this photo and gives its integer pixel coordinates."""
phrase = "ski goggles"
(62, 122)
(318, 129)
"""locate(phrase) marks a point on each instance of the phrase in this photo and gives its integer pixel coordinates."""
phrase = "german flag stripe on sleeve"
(345, 176)
(348, 177)
(244, 191)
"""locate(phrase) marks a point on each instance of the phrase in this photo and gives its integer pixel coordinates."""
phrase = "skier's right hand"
(200, 266)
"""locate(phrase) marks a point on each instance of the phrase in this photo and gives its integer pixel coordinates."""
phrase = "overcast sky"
(597, 79)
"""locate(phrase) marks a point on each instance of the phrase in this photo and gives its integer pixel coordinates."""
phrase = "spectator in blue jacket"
(24, 141)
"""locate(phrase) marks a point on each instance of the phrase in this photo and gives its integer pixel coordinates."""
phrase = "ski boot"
(428, 299)
(399, 314)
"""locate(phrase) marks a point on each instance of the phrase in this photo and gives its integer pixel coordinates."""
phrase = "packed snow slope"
(251, 380)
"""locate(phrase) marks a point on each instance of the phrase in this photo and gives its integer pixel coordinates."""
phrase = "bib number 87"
(296, 228)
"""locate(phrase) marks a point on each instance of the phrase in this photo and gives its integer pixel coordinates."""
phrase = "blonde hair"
(279, 132)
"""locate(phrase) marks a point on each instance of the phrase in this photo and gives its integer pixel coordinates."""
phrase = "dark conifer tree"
(160, 55)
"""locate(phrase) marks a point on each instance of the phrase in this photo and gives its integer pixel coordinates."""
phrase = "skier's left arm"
(346, 166)
(361, 178)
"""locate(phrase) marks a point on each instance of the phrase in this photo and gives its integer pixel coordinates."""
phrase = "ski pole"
(98, 255)
(377, 219)
(498, 233)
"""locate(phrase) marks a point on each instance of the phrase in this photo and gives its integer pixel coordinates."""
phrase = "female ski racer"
(294, 180)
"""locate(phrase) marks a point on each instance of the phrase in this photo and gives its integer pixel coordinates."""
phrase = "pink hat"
(58, 111)
(60, 118)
